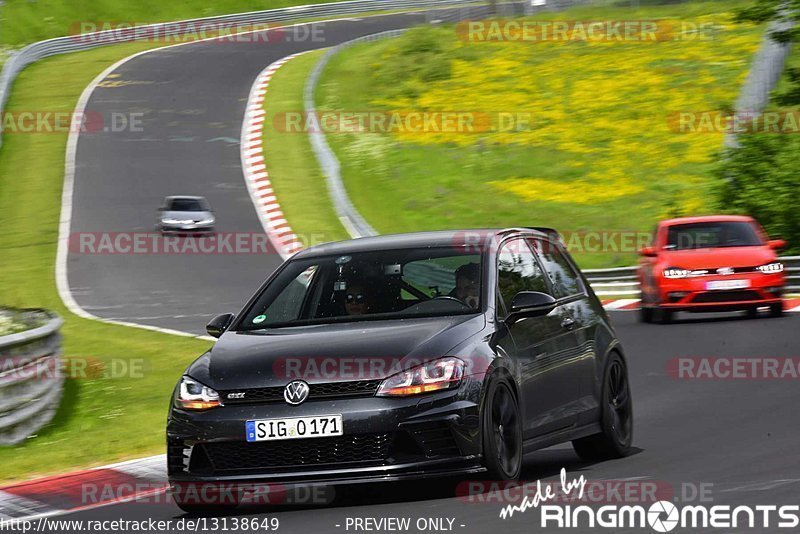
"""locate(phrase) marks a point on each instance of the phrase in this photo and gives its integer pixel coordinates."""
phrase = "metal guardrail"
(17, 61)
(622, 281)
(353, 222)
(349, 216)
(31, 380)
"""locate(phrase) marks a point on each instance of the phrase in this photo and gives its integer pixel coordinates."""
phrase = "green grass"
(25, 21)
(403, 183)
(100, 420)
(296, 178)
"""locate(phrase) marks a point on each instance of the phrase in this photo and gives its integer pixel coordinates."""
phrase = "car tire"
(665, 316)
(776, 310)
(645, 314)
(616, 418)
(502, 432)
(752, 313)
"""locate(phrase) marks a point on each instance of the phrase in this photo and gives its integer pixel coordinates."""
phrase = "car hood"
(187, 215)
(362, 350)
(711, 258)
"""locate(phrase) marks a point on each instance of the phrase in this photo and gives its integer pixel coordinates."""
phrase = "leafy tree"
(761, 178)
(771, 10)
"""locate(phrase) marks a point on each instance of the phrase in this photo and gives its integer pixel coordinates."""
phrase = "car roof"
(440, 238)
(706, 218)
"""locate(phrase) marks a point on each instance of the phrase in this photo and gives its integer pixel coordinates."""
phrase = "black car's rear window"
(386, 284)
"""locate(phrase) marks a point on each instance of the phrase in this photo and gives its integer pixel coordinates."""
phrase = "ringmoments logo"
(660, 516)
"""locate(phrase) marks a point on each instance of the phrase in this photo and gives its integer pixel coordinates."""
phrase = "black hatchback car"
(403, 356)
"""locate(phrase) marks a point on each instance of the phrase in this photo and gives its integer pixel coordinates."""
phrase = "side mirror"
(530, 304)
(217, 326)
(776, 244)
(648, 252)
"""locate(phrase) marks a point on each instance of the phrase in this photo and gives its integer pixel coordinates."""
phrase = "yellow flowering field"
(591, 143)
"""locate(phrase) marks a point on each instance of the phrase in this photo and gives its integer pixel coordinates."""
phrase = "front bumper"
(186, 229)
(384, 439)
(692, 294)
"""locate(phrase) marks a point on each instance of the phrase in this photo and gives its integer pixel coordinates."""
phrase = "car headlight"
(677, 272)
(432, 376)
(192, 395)
(775, 267)
(210, 220)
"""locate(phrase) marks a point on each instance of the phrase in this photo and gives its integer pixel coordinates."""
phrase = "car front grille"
(244, 456)
(355, 388)
(726, 296)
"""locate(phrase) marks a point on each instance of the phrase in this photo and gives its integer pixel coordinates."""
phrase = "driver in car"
(357, 299)
(468, 284)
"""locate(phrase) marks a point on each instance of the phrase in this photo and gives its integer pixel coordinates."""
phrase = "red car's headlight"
(677, 272)
(770, 268)
(192, 395)
(432, 376)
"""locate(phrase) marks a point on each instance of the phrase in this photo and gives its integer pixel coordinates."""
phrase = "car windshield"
(187, 204)
(712, 235)
(387, 284)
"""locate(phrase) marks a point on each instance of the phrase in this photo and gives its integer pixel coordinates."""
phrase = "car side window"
(562, 274)
(517, 270)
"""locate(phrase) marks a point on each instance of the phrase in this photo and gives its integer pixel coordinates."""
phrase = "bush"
(761, 178)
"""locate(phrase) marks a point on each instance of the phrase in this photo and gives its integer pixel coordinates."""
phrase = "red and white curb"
(255, 171)
(791, 304)
(84, 490)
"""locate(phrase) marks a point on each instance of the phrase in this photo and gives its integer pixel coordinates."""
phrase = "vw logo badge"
(295, 392)
(725, 271)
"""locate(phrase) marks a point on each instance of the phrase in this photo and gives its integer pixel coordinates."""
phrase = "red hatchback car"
(709, 264)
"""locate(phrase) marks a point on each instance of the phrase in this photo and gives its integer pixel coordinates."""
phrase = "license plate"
(317, 426)
(727, 284)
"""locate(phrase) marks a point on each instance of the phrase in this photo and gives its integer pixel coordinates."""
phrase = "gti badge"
(236, 395)
(725, 271)
(295, 392)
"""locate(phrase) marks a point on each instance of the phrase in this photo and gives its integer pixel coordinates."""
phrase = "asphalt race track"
(191, 99)
(737, 438)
